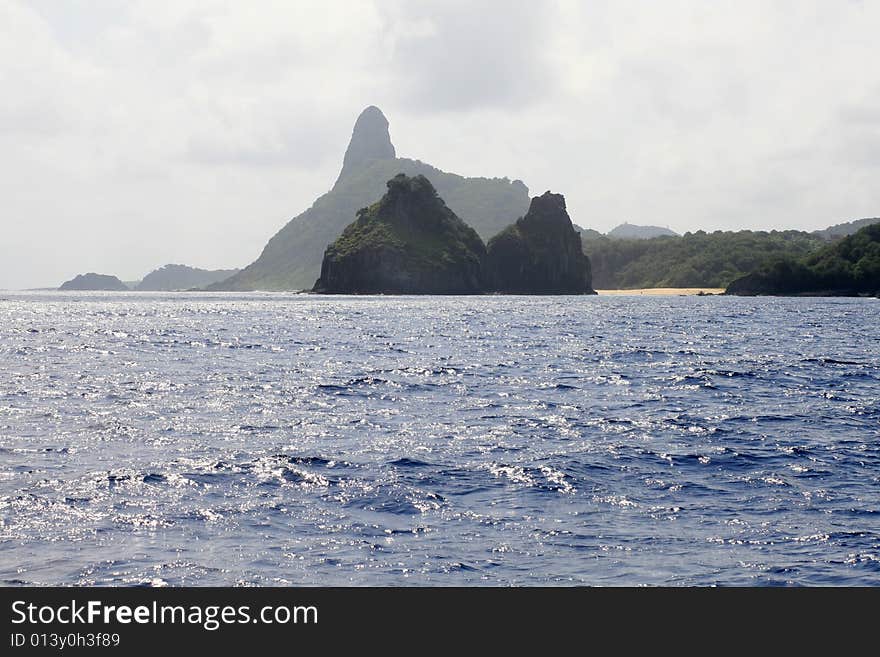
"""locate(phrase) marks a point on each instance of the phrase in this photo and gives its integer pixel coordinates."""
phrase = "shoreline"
(663, 291)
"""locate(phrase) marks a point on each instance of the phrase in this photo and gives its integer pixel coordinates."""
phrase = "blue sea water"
(222, 439)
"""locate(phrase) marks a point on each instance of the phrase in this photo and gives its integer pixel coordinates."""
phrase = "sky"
(143, 132)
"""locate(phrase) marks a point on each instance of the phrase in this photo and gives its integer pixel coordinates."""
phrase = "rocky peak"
(548, 207)
(540, 253)
(370, 141)
(411, 199)
(403, 185)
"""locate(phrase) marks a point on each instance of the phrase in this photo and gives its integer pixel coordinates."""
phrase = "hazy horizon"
(140, 134)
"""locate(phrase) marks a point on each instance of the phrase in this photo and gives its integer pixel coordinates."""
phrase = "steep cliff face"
(94, 282)
(292, 258)
(539, 254)
(370, 141)
(407, 243)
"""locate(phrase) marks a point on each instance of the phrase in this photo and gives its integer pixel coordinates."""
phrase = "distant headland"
(181, 277)
(168, 278)
(94, 283)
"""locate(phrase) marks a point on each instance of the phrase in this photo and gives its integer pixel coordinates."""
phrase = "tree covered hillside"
(848, 267)
(697, 259)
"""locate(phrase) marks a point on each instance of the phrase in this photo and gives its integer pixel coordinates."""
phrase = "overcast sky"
(139, 133)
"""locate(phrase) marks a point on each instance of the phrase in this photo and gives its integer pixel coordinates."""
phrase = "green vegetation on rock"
(848, 267)
(409, 242)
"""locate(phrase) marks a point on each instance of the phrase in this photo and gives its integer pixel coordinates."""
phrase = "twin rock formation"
(410, 242)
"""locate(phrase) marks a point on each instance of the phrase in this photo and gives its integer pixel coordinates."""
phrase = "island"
(94, 282)
(408, 242)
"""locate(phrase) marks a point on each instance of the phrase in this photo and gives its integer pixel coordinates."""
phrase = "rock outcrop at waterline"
(539, 254)
(410, 242)
(94, 283)
(407, 243)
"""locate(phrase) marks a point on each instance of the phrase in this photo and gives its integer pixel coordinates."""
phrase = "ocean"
(274, 439)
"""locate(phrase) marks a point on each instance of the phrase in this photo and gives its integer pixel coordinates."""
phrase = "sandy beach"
(664, 291)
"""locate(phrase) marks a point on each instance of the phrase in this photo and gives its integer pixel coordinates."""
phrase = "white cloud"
(462, 55)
